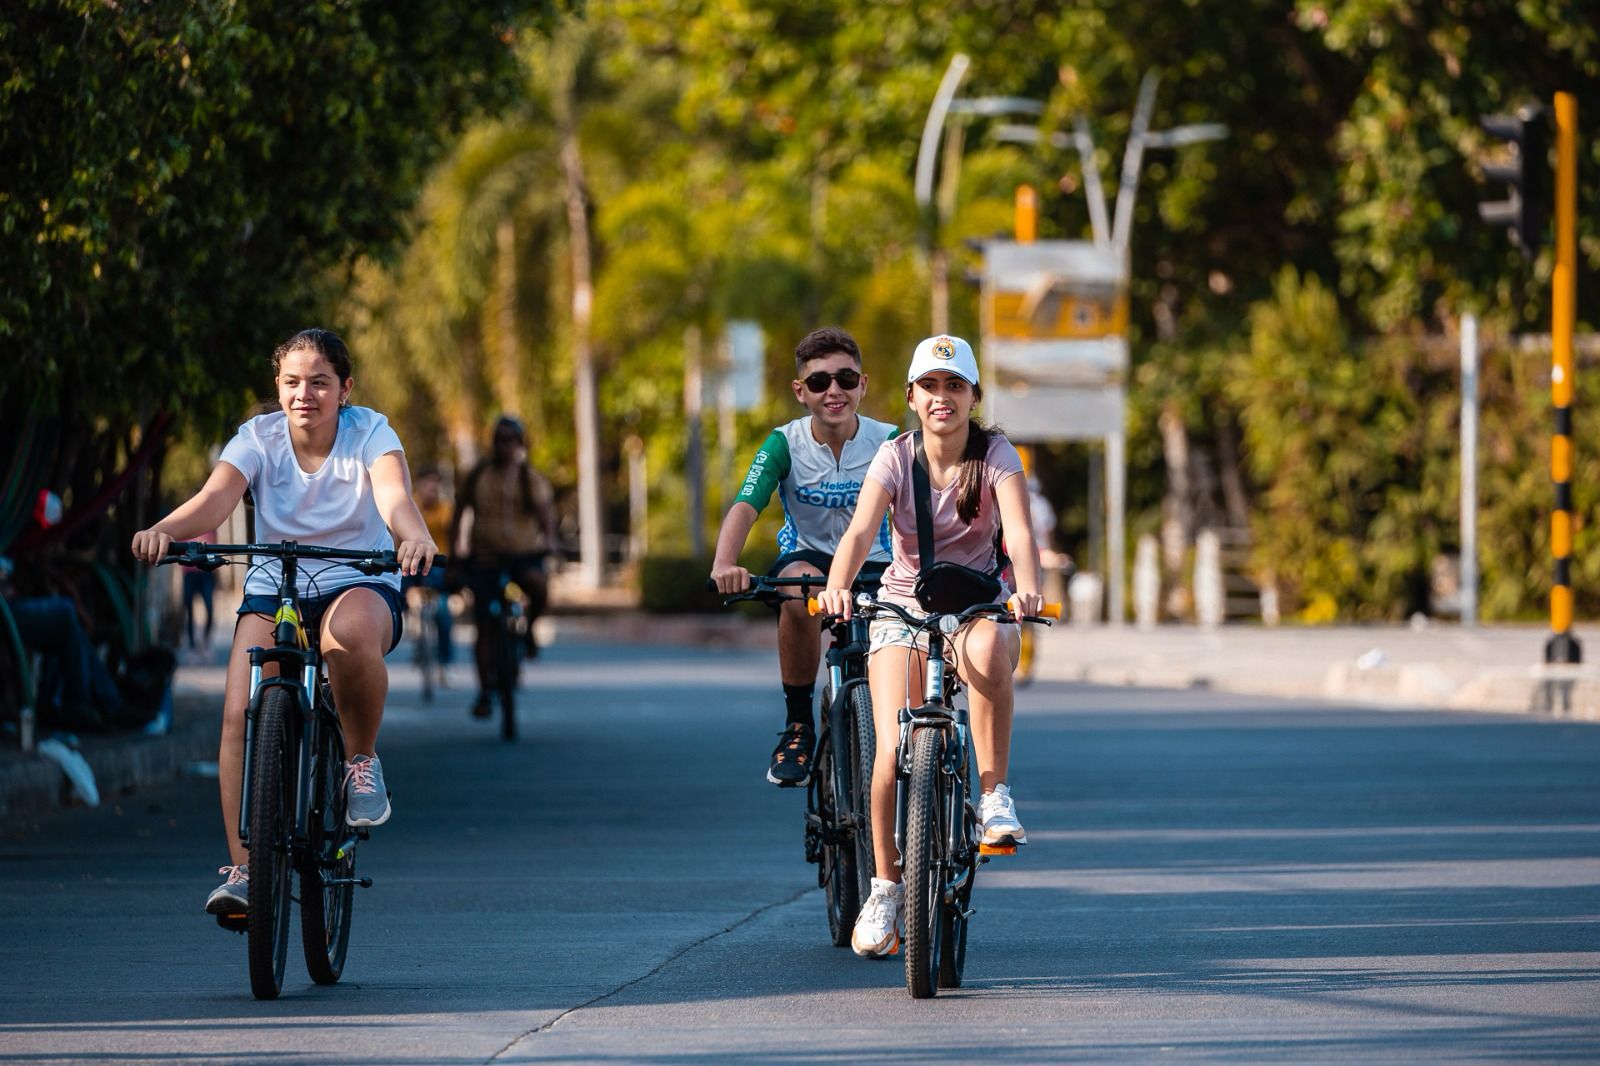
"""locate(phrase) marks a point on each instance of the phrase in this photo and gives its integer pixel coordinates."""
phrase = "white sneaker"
(998, 813)
(877, 931)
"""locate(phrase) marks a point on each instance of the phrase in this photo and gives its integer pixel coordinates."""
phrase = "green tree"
(185, 185)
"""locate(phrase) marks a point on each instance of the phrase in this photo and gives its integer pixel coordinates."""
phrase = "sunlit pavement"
(1210, 877)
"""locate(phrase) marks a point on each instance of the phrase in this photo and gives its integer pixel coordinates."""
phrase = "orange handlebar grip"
(1051, 610)
(813, 606)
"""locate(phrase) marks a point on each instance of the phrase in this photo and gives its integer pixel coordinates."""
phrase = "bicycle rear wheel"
(924, 863)
(271, 840)
(953, 923)
(324, 908)
(859, 723)
(836, 870)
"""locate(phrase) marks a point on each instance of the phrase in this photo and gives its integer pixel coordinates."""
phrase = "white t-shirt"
(332, 507)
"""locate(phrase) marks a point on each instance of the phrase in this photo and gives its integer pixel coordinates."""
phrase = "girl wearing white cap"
(978, 489)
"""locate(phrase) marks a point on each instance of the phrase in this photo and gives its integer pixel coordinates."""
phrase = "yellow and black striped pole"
(1562, 646)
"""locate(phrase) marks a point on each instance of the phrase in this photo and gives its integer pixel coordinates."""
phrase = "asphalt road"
(1210, 877)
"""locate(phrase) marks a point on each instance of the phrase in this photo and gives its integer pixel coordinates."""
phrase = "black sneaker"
(481, 707)
(791, 759)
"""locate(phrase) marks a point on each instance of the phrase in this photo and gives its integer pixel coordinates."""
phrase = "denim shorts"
(312, 608)
(888, 631)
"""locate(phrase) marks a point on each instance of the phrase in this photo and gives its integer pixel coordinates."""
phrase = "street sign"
(1055, 344)
(746, 363)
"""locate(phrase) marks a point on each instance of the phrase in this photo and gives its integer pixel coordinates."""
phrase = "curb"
(32, 786)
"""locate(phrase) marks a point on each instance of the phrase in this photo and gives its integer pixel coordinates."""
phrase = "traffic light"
(1522, 211)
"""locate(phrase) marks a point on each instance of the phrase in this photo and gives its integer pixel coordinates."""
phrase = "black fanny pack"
(945, 588)
(950, 588)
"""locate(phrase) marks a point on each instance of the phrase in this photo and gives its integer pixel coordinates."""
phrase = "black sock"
(797, 703)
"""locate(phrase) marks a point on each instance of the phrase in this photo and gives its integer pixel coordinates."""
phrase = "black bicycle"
(430, 670)
(513, 633)
(838, 826)
(936, 827)
(292, 805)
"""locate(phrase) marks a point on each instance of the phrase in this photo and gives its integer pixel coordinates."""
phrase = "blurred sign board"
(745, 352)
(1055, 338)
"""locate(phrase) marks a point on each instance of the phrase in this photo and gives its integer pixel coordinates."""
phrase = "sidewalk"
(1491, 668)
(31, 784)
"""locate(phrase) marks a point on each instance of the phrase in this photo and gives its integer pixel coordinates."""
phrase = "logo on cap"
(943, 348)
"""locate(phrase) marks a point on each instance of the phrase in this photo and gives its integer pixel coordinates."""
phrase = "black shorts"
(868, 577)
(484, 577)
(312, 608)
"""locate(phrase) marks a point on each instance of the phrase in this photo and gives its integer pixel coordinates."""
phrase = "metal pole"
(1092, 189)
(1116, 546)
(1133, 159)
(1563, 647)
(934, 126)
(1469, 469)
(694, 457)
(638, 501)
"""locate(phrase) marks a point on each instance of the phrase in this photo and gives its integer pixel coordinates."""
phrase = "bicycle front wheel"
(324, 908)
(506, 661)
(924, 863)
(272, 784)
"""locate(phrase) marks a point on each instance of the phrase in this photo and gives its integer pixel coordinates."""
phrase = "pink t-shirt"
(954, 541)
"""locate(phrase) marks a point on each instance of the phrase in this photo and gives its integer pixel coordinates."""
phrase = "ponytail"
(970, 481)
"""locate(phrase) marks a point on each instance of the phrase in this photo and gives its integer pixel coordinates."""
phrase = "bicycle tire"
(836, 872)
(924, 864)
(427, 661)
(325, 910)
(866, 750)
(953, 923)
(506, 663)
(271, 840)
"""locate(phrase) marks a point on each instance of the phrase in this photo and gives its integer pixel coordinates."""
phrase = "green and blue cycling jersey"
(818, 492)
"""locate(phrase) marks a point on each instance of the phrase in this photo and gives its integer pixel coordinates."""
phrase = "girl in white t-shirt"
(977, 489)
(322, 472)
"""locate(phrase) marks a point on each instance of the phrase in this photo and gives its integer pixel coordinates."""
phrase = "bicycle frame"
(296, 655)
(938, 711)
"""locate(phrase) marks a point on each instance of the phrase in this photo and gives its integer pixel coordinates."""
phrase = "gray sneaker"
(366, 800)
(233, 895)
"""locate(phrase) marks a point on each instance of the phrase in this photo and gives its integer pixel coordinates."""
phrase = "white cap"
(944, 352)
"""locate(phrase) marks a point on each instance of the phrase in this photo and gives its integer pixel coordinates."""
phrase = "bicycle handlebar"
(1050, 611)
(764, 587)
(206, 556)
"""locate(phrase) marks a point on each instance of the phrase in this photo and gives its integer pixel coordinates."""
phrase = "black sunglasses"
(818, 380)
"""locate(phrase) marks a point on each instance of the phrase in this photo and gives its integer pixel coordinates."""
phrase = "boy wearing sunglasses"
(816, 464)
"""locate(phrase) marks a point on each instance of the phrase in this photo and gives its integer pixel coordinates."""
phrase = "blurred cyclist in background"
(511, 530)
(437, 511)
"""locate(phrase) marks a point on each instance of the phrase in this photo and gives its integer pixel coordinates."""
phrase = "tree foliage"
(1295, 286)
(187, 184)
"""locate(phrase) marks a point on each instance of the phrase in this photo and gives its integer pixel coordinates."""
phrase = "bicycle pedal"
(997, 849)
(234, 923)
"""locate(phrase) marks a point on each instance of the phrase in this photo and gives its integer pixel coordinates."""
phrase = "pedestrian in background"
(437, 510)
(199, 585)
